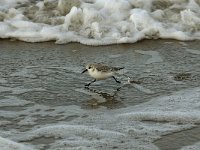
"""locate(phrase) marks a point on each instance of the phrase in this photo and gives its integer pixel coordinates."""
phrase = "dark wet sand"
(174, 60)
(178, 140)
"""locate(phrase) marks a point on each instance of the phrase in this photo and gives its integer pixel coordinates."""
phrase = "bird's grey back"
(104, 68)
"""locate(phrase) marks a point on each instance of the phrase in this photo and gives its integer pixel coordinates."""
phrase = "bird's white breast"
(100, 75)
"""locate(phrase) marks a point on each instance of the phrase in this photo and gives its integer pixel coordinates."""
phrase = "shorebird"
(101, 72)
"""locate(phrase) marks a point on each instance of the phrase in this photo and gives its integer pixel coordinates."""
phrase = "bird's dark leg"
(116, 79)
(87, 85)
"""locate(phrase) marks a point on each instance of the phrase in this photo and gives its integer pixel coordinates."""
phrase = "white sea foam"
(196, 146)
(133, 127)
(74, 130)
(169, 108)
(99, 22)
(7, 144)
(13, 101)
(5, 4)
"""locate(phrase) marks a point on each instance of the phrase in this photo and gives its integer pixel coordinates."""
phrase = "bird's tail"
(121, 68)
(118, 68)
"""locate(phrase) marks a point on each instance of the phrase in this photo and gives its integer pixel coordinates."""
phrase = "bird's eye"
(89, 67)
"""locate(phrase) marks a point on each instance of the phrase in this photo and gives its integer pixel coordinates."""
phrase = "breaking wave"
(99, 22)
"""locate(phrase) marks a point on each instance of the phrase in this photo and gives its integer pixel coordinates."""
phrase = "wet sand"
(179, 139)
(161, 67)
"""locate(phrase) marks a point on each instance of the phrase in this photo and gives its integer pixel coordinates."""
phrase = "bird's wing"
(103, 68)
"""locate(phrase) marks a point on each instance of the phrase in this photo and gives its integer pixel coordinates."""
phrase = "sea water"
(99, 22)
(43, 102)
(44, 105)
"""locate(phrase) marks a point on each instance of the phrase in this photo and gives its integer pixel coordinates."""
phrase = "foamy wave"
(168, 116)
(66, 131)
(99, 22)
(6, 144)
(192, 147)
(133, 127)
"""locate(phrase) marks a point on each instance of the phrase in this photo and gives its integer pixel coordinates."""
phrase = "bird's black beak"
(84, 71)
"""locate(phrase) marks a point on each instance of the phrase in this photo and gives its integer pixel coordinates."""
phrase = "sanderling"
(101, 72)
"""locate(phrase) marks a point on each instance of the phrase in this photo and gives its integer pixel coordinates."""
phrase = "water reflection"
(110, 101)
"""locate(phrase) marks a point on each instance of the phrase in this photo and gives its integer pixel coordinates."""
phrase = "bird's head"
(89, 68)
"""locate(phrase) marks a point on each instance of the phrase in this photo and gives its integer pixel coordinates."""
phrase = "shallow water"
(44, 105)
(180, 139)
